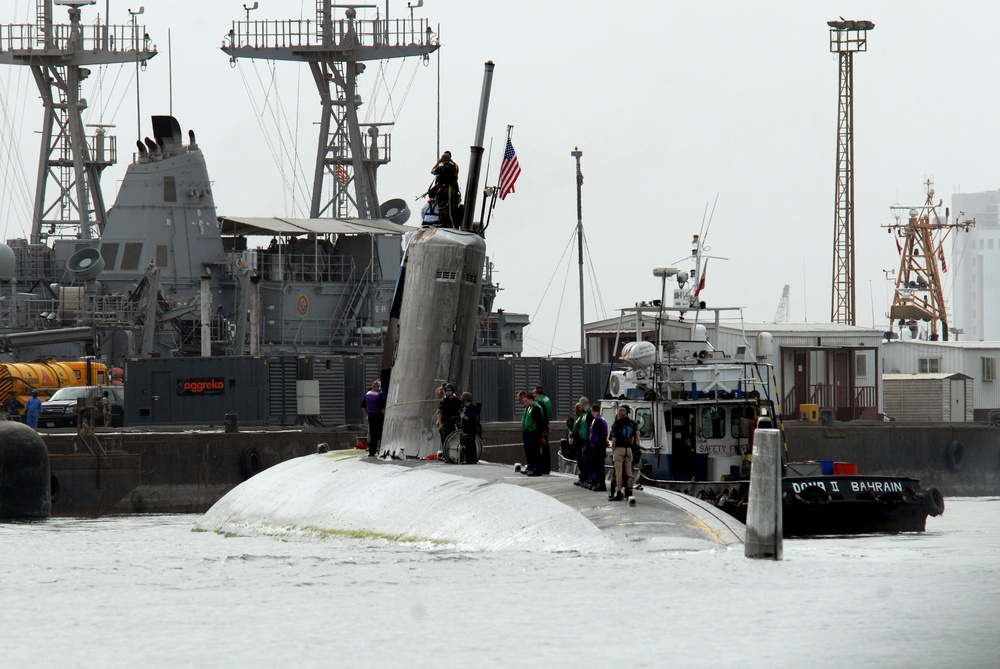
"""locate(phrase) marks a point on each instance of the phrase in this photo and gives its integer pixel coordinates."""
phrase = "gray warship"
(160, 274)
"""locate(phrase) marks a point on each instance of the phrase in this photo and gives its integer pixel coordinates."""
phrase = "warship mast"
(336, 50)
(71, 161)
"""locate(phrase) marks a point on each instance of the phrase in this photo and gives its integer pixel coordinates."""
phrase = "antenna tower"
(846, 38)
(336, 50)
(71, 160)
(920, 236)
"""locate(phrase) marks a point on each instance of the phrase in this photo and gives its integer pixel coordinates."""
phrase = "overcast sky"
(672, 103)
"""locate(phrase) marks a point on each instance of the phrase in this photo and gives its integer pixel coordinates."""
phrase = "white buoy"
(764, 531)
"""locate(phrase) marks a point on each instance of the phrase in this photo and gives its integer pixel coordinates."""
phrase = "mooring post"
(764, 532)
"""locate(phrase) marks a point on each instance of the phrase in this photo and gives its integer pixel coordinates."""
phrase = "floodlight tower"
(336, 50)
(71, 160)
(846, 38)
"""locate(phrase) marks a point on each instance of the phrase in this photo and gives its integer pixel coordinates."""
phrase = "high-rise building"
(974, 267)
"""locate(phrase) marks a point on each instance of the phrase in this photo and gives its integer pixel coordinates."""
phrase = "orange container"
(845, 469)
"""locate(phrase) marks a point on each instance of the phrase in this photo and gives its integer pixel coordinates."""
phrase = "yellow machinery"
(19, 379)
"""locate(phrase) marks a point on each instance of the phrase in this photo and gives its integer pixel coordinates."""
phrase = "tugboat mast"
(58, 56)
(336, 51)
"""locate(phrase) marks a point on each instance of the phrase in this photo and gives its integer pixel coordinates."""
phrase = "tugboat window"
(713, 422)
(740, 417)
(644, 419)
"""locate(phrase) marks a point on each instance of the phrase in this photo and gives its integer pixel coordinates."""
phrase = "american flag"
(342, 176)
(510, 170)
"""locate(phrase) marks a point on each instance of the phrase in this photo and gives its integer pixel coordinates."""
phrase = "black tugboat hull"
(823, 505)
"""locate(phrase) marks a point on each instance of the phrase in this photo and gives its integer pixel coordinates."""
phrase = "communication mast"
(919, 298)
(71, 160)
(846, 38)
(336, 50)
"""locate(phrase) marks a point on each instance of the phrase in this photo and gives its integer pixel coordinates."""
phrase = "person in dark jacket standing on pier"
(598, 447)
(32, 410)
(374, 404)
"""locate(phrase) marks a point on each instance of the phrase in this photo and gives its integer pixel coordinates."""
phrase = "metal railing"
(94, 38)
(295, 33)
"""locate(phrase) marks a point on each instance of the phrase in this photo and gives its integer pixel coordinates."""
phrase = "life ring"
(250, 462)
(954, 456)
(933, 502)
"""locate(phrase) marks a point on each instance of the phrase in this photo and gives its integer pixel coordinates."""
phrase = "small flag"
(579, 177)
(898, 246)
(342, 176)
(701, 281)
(944, 265)
(510, 170)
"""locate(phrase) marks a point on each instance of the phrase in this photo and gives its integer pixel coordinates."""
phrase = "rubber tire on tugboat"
(250, 462)
(933, 502)
(954, 456)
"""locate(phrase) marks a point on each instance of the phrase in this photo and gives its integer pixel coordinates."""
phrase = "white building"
(976, 360)
(974, 267)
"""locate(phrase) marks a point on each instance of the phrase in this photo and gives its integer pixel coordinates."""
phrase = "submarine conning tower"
(437, 325)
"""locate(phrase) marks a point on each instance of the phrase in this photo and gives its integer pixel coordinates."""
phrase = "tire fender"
(954, 456)
(250, 463)
(933, 502)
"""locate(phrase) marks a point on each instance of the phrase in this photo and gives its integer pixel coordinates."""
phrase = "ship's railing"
(74, 308)
(112, 39)
(294, 33)
(284, 265)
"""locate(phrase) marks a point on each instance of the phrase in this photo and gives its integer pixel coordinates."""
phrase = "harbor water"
(147, 591)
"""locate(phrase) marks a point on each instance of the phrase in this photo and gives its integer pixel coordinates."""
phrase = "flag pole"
(486, 192)
(577, 153)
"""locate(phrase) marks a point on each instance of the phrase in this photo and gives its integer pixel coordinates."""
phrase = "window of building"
(929, 365)
(989, 369)
(161, 255)
(861, 365)
(713, 422)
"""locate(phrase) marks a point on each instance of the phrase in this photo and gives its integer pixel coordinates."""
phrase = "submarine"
(409, 494)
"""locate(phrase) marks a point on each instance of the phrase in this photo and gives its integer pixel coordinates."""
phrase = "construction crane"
(920, 232)
(781, 315)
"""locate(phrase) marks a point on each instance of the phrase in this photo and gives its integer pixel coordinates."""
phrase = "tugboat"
(697, 407)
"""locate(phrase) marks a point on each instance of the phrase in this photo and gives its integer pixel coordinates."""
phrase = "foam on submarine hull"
(475, 507)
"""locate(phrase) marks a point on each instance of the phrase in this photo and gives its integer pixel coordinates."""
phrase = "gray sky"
(671, 103)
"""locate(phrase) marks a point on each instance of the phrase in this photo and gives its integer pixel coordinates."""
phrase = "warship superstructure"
(160, 273)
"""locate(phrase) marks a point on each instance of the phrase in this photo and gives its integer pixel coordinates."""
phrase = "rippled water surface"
(146, 591)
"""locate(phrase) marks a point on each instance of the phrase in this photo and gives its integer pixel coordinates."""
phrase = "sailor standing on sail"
(445, 190)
